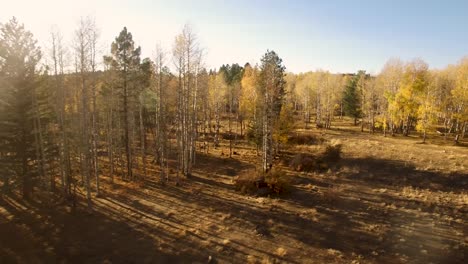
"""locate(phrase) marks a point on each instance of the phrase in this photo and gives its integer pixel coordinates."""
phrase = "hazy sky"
(340, 36)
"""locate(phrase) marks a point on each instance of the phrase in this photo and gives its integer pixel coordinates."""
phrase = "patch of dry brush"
(322, 162)
(262, 184)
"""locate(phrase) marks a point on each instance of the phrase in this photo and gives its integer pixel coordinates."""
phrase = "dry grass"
(335, 253)
(310, 214)
(281, 252)
(251, 259)
(332, 194)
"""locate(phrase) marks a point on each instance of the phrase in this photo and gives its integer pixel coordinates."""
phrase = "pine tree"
(125, 59)
(351, 99)
(19, 56)
(271, 85)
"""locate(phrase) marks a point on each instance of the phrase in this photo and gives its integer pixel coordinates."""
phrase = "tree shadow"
(157, 223)
(37, 233)
(220, 165)
(382, 172)
(360, 223)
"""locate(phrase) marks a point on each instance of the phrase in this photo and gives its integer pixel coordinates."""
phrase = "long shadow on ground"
(35, 233)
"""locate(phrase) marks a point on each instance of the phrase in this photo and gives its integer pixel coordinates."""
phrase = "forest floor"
(388, 200)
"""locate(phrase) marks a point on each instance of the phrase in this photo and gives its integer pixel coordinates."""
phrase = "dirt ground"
(389, 200)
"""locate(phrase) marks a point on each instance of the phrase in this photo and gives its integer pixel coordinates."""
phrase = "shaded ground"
(389, 200)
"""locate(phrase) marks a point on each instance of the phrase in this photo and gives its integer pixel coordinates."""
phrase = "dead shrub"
(332, 152)
(331, 194)
(247, 181)
(278, 181)
(307, 162)
(303, 162)
(263, 184)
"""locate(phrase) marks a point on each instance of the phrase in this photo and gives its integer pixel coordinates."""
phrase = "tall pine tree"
(271, 85)
(19, 56)
(125, 60)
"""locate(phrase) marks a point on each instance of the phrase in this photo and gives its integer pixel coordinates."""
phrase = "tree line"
(70, 115)
(403, 97)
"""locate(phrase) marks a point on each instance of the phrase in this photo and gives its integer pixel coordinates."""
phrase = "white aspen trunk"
(463, 130)
(129, 174)
(160, 120)
(40, 143)
(85, 137)
(217, 120)
(65, 141)
(110, 135)
(82, 50)
(59, 111)
(265, 129)
(179, 122)
(142, 137)
(94, 132)
(318, 113)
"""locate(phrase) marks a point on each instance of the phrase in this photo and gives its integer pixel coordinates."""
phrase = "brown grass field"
(388, 200)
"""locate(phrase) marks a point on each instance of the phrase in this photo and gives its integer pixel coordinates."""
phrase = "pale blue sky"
(340, 36)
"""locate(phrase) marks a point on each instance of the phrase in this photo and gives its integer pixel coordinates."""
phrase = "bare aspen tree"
(145, 76)
(185, 55)
(197, 65)
(142, 133)
(57, 55)
(110, 116)
(93, 35)
(318, 101)
(82, 68)
(161, 108)
(39, 140)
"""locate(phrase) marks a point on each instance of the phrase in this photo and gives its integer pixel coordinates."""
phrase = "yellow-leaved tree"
(460, 98)
(248, 95)
(427, 109)
(405, 105)
(388, 82)
(217, 89)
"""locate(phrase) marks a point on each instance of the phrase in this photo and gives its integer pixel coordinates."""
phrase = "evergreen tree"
(126, 61)
(19, 57)
(272, 88)
(351, 100)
